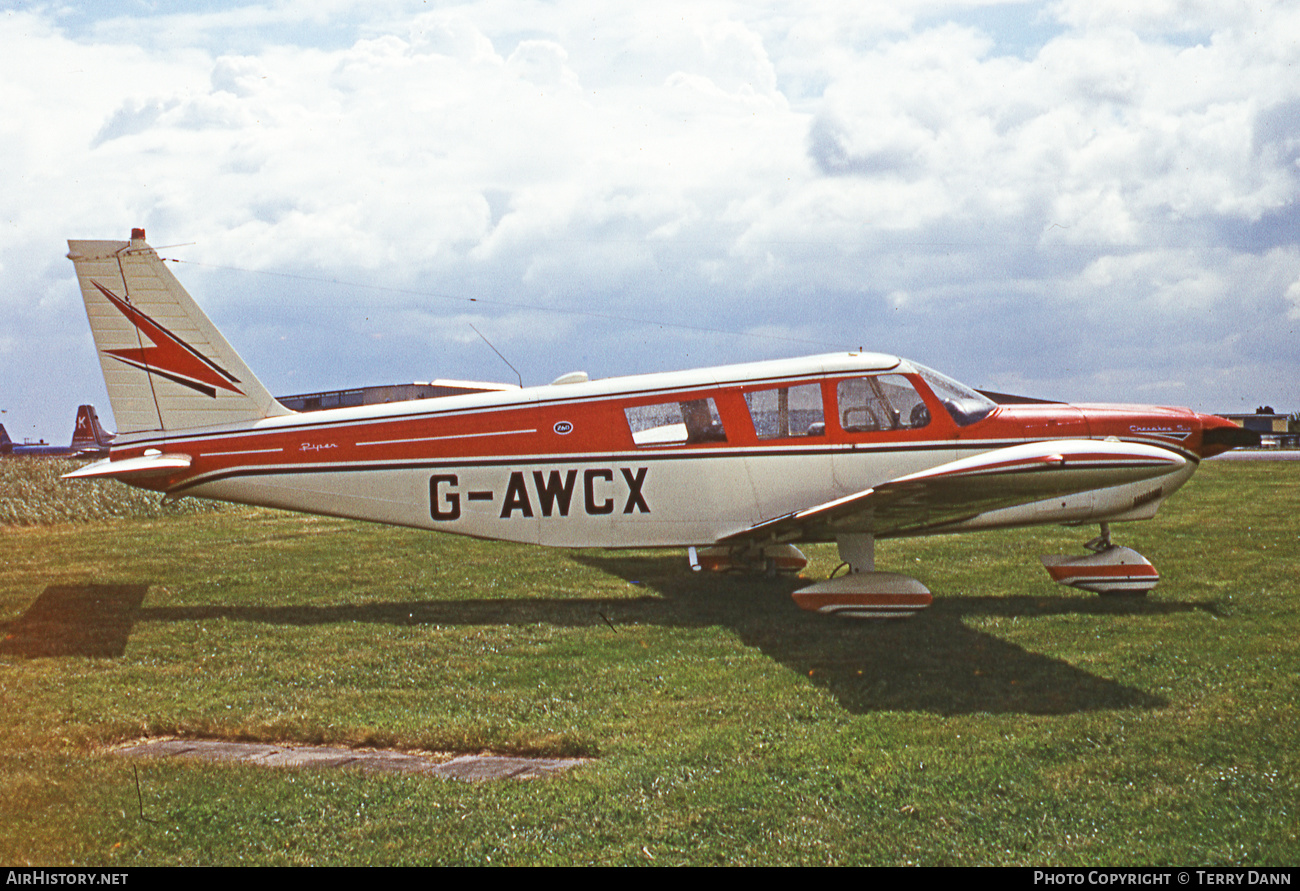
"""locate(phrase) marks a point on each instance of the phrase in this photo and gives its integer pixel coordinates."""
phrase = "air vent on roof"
(573, 377)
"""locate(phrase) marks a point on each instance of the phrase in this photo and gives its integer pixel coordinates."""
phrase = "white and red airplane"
(736, 463)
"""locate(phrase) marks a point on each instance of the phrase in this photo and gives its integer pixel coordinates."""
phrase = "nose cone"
(1219, 434)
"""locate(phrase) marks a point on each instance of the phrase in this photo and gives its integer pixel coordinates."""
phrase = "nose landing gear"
(1109, 569)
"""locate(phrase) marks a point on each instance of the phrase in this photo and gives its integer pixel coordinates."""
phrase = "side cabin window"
(787, 411)
(675, 423)
(880, 402)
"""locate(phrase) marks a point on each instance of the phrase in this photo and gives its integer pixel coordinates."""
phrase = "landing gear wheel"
(1109, 569)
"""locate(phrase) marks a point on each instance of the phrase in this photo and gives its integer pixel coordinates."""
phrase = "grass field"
(1015, 722)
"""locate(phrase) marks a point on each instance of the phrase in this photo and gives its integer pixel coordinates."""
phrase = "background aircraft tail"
(6, 444)
(166, 366)
(88, 433)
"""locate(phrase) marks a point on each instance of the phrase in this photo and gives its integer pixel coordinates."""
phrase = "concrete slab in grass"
(464, 767)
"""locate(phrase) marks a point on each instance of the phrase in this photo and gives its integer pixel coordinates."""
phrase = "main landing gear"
(771, 559)
(1109, 569)
(864, 593)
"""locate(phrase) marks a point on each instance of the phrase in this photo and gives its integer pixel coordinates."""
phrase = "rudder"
(166, 366)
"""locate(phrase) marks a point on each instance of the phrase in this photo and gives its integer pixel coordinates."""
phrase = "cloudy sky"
(1082, 200)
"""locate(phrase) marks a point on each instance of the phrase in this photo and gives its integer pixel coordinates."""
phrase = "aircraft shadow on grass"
(932, 663)
(75, 620)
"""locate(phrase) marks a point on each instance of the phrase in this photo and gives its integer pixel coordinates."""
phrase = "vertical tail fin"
(166, 366)
(6, 444)
(88, 433)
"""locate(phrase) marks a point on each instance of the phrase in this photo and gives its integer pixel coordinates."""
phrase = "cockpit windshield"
(964, 404)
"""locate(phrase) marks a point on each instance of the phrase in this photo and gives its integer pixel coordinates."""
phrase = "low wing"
(960, 490)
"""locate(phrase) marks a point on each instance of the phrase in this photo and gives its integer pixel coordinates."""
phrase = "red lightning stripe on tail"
(169, 357)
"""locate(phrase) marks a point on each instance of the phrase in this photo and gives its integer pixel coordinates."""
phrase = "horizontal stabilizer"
(129, 469)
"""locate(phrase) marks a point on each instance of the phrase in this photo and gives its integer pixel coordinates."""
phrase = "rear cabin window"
(675, 423)
(787, 411)
(878, 403)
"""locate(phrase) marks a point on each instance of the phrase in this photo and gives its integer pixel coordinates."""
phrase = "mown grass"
(1015, 722)
(32, 494)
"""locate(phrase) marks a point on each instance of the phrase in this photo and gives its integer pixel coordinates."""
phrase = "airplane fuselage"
(603, 464)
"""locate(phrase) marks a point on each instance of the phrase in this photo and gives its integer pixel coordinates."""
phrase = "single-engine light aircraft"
(736, 463)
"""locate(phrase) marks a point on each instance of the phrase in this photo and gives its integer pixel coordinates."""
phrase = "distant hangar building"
(1274, 428)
